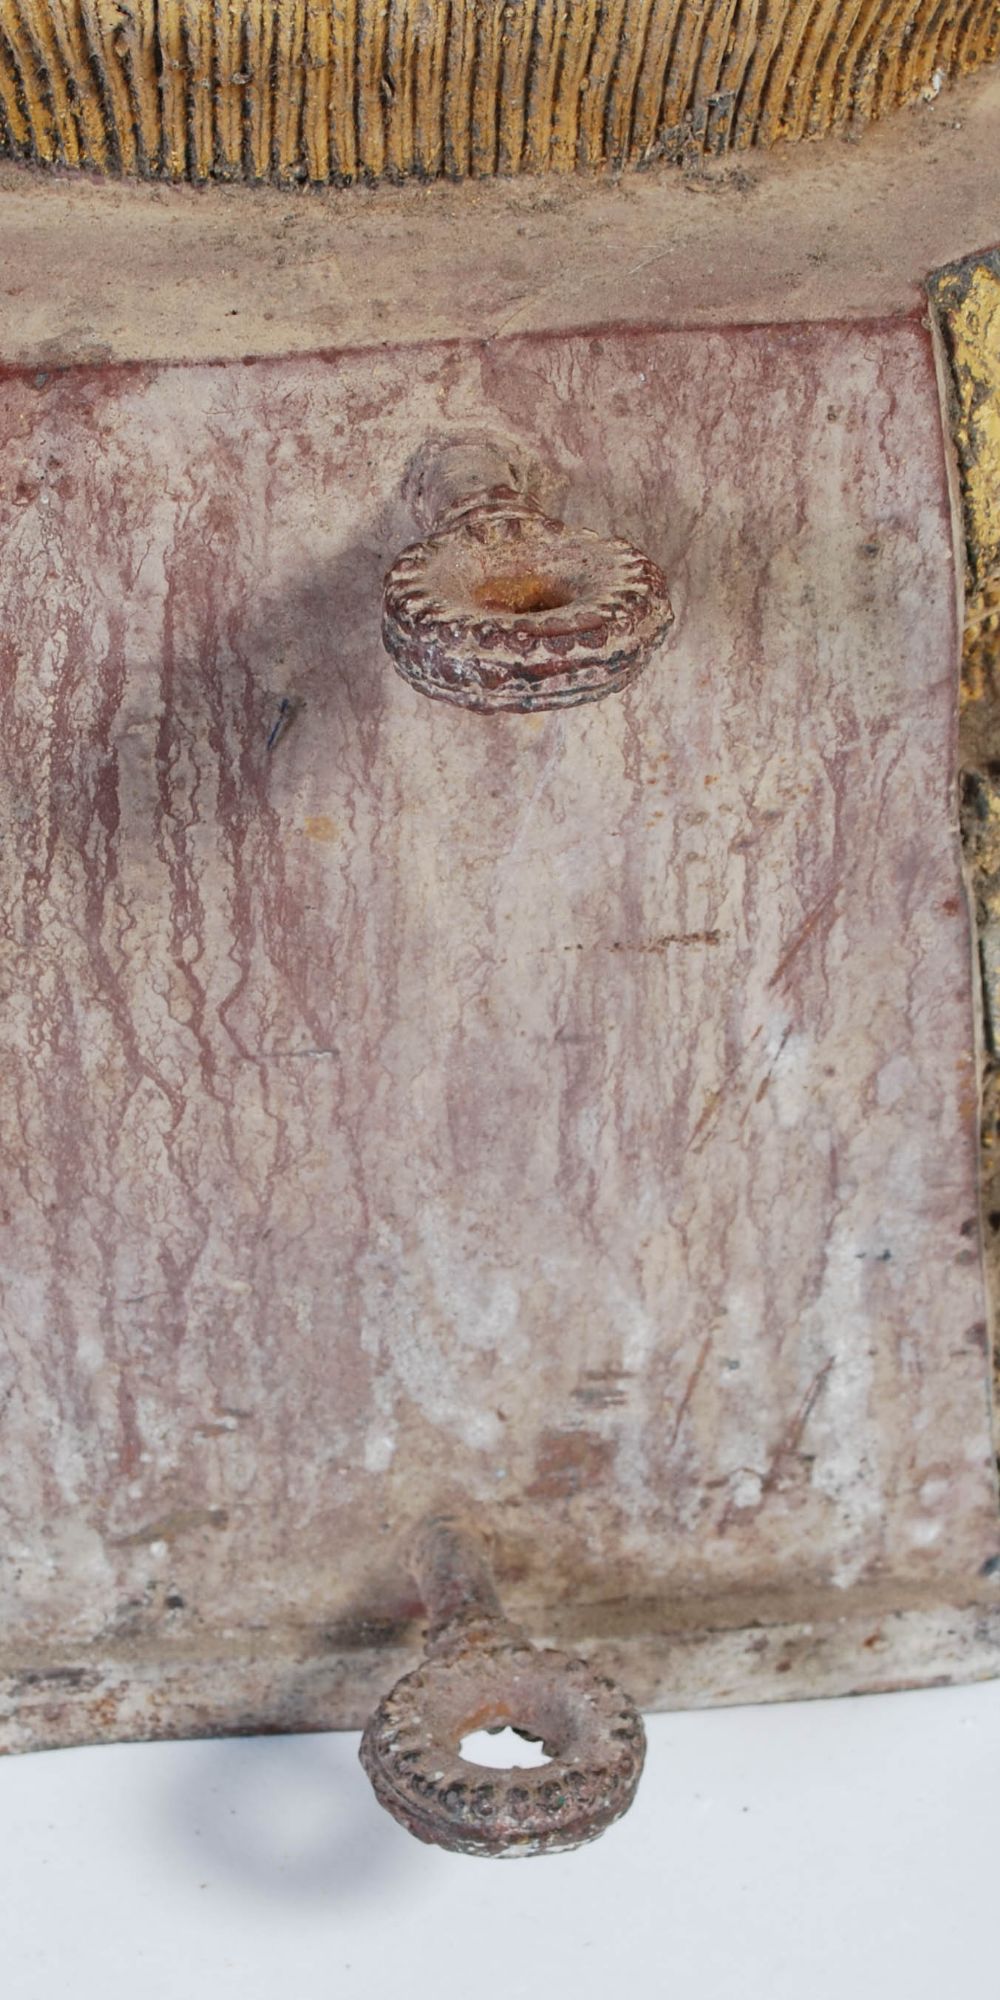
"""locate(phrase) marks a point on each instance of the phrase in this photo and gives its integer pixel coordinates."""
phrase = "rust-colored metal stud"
(480, 1672)
(502, 607)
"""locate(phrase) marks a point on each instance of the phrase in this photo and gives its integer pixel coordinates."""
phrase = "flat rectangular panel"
(574, 1112)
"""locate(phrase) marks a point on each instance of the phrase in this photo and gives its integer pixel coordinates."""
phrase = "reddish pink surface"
(575, 1112)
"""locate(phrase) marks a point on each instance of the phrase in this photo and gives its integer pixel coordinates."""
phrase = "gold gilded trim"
(967, 301)
(319, 90)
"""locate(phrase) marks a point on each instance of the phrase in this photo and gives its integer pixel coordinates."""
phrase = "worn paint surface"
(360, 89)
(572, 1112)
(966, 297)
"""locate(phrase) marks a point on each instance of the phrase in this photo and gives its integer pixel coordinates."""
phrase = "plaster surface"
(97, 271)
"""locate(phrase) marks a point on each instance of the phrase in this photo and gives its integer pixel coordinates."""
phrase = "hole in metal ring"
(503, 1749)
(526, 591)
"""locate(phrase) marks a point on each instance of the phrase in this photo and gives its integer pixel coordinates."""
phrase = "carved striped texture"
(318, 90)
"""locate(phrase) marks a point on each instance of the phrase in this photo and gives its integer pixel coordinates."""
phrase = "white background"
(847, 1849)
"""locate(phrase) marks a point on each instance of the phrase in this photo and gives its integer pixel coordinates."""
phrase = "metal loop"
(588, 1728)
(501, 607)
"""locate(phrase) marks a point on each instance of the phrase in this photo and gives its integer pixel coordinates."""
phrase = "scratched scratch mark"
(803, 934)
(765, 1083)
(717, 1097)
(795, 1431)
(288, 708)
(691, 1385)
(787, 1446)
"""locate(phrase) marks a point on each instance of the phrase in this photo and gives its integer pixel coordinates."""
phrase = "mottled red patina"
(574, 1114)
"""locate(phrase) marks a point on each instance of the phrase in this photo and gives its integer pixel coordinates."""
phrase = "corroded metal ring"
(588, 1728)
(504, 608)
